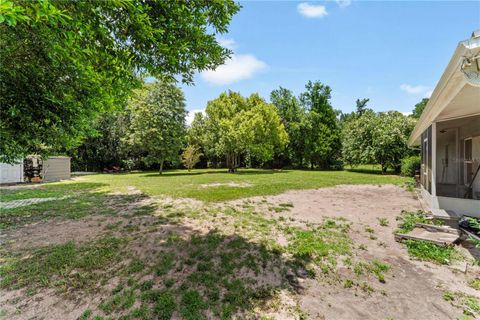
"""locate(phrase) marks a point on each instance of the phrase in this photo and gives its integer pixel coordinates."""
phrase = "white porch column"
(434, 159)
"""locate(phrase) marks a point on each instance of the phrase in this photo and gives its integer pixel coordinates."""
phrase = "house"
(448, 133)
(52, 169)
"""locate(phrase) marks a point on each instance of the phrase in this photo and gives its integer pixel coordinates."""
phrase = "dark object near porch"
(470, 224)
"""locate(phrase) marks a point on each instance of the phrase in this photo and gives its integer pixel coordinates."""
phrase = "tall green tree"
(419, 107)
(158, 123)
(379, 138)
(236, 126)
(64, 62)
(321, 129)
(293, 116)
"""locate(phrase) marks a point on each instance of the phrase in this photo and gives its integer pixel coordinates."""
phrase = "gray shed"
(56, 168)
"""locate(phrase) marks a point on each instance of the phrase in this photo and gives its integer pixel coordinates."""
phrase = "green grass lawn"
(181, 183)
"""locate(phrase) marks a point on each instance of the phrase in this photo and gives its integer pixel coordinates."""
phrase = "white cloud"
(414, 89)
(343, 3)
(191, 115)
(312, 10)
(407, 113)
(238, 67)
(227, 43)
(428, 93)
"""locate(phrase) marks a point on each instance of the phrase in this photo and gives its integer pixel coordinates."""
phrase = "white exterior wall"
(11, 173)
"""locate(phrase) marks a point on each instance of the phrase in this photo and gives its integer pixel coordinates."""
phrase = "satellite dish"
(471, 70)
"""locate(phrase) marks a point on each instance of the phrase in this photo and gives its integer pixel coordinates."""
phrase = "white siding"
(56, 168)
(11, 173)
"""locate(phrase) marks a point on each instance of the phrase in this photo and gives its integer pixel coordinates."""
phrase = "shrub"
(410, 165)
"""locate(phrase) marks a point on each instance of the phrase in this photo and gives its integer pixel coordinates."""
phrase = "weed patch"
(428, 251)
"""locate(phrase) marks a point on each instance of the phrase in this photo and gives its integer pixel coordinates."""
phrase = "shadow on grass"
(240, 172)
(162, 267)
(370, 171)
(75, 200)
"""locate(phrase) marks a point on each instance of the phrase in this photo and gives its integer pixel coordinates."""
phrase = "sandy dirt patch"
(413, 289)
(226, 184)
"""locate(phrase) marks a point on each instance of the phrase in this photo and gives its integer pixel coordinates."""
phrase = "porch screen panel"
(426, 155)
(458, 158)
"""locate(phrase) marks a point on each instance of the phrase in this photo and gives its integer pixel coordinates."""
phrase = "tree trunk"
(231, 162)
(384, 168)
(161, 167)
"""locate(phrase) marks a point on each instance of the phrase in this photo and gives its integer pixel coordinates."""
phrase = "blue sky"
(390, 52)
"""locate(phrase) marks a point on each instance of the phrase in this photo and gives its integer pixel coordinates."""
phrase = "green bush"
(409, 165)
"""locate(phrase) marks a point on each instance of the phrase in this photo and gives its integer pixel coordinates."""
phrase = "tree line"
(73, 83)
(237, 131)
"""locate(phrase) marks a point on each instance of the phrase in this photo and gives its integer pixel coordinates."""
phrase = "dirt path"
(413, 289)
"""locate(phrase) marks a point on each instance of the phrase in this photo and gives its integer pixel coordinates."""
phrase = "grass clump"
(192, 305)
(475, 283)
(383, 222)
(316, 244)
(122, 300)
(428, 251)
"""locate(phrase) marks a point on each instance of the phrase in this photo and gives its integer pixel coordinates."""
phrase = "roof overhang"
(453, 96)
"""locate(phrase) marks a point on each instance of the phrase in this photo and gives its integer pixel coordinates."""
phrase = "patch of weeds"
(376, 267)
(367, 288)
(135, 266)
(192, 305)
(362, 247)
(475, 283)
(85, 315)
(448, 296)
(383, 222)
(318, 243)
(140, 313)
(428, 251)
(408, 220)
(164, 264)
(113, 226)
(44, 265)
(348, 283)
(146, 285)
(121, 301)
(80, 203)
(369, 230)
(169, 282)
(165, 305)
(471, 306)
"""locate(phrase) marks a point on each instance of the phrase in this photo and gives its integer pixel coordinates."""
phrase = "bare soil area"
(412, 289)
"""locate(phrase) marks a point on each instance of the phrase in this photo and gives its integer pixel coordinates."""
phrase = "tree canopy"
(377, 138)
(157, 129)
(321, 131)
(236, 126)
(418, 109)
(64, 62)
